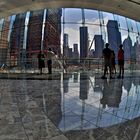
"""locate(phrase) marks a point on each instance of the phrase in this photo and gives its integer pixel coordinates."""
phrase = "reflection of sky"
(85, 114)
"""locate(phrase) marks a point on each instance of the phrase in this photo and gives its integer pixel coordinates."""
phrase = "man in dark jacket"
(107, 60)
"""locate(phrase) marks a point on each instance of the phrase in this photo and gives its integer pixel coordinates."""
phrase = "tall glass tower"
(83, 42)
(114, 36)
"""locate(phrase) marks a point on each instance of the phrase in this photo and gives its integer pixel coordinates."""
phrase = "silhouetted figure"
(121, 61)
(107, 60)
(113, 63)
(106, 92)
(50, 54)
(41, 61)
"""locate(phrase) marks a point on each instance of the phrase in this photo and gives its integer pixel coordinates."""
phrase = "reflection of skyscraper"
(84, 86)
(83, 94)
(114, 36)
(4, 41)
(83, 42)
(75, 78)
(99, 44)
(53, 101)
(66, 78)
(17, 39)
(127, 84)
(127, 45)
(97, 84)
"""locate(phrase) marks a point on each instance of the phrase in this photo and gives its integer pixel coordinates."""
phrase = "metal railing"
(62, 65)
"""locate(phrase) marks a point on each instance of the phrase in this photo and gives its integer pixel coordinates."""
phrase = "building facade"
(114, 36)
(83, 42)
(17, 40)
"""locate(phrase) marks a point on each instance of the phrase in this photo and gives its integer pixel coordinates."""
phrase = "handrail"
(60, 64)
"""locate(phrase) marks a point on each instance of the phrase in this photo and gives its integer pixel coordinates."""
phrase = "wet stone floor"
(73, 106)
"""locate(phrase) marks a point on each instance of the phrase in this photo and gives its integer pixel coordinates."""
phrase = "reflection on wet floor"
(93, 102)
(72, 103)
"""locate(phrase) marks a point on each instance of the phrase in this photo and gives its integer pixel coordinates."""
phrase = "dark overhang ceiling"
(128, 8)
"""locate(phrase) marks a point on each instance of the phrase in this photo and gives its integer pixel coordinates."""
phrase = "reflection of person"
(113, 63)
(41, 63)
(106, 93)
(50, 54)
(112, 92)
(121, 62)
(107, 60)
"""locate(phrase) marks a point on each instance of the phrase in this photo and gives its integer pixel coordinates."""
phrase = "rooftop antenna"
(83, 17)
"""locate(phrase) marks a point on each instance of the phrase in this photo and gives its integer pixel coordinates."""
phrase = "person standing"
(121, 61)
(107, 60)
(41, 63)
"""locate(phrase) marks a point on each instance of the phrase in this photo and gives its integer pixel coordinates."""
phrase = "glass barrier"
(77, 36)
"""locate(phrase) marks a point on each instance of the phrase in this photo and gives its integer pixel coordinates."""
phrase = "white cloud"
(73, 36)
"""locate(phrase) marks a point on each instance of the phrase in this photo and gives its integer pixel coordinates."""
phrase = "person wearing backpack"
(121, 61)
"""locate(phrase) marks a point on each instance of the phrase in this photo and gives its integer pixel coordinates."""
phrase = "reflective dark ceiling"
(128, 8)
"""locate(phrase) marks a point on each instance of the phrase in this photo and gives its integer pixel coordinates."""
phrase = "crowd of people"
(109, 61)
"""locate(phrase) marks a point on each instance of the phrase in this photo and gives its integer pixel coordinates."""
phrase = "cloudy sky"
(72, 19)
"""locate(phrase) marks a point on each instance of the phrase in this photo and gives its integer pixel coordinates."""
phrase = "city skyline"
(92, 20)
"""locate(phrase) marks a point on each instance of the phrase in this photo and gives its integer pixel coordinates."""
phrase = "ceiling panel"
(128, 8)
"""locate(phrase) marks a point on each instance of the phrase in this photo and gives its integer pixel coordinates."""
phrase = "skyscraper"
(75, 47)
(83, 42)
(43, 32)
(114, 36)
(127, 45)
(75, 53)
(137, 44)
(70, 53)
(4, 41)
(99, 44)
(34, 35)
(17, 40)
(66, 45)
(66, 40)
(52, 30)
